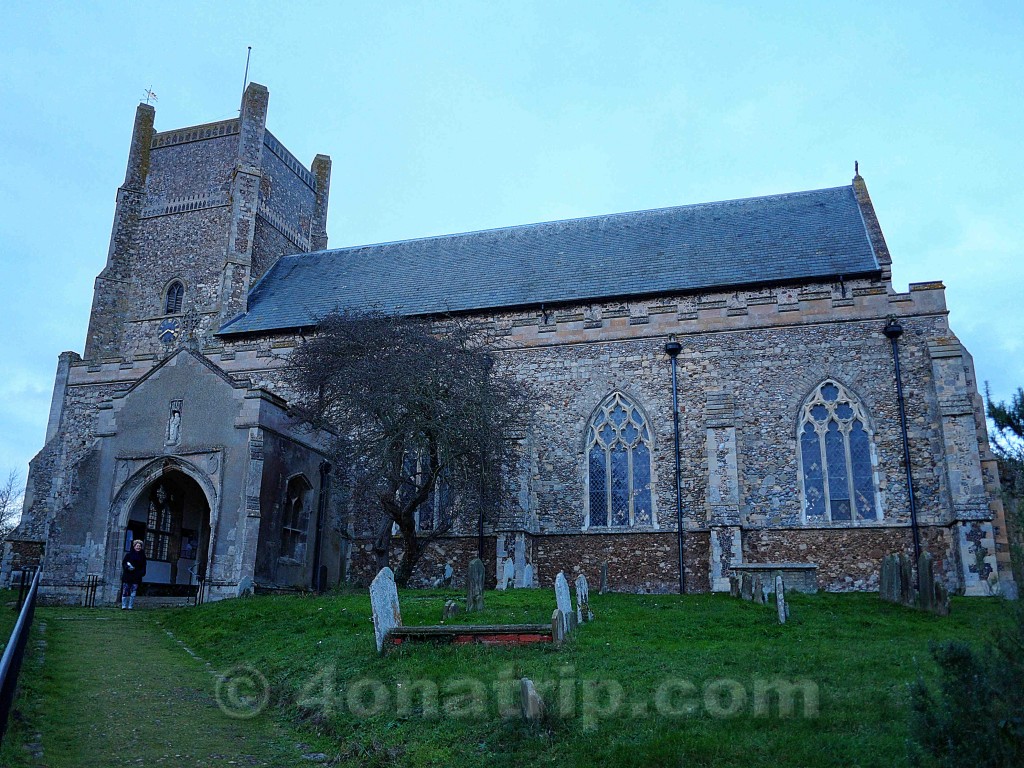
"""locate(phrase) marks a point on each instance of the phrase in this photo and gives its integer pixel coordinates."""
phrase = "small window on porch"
(295, 517)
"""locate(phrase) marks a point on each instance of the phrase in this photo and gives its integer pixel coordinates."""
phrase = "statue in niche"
(174, 423)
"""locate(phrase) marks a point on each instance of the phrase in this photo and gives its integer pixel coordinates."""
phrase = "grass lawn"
(655, 680)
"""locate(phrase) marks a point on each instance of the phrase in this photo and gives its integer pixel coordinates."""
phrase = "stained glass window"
(619, 465)
(835, 457)
(164, 512)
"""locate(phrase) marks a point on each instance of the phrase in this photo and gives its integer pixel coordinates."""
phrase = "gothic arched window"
(174, 298)
(619, 465)
(835, 456)
(295, 517)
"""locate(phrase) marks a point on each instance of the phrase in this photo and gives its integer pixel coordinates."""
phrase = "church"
(712, 387)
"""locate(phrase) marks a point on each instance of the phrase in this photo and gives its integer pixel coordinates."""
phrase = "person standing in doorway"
(133, 568)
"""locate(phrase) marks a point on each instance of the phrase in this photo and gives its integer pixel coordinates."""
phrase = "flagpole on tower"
(245, 79)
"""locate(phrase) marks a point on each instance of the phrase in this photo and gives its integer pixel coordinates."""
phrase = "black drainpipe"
(321, 507)
(893, 330)
(672, 349)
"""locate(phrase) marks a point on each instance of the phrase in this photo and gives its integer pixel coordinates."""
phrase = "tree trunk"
(412, 551)
(382, 546)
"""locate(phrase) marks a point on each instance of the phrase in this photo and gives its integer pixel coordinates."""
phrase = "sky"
(448, 117)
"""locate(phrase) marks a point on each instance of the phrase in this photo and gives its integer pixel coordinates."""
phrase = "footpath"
(117, 690)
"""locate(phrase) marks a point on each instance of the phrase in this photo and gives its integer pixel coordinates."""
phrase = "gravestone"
(932, 595)
(734, 586)
(557, 627)
(604, 579)
(758, 591)
(448, 573)
(530, 703)
(475, 586)
(384, 602)
(746, 587)
(562, 599)
(906, 567)
(528, 575)
(583, 599)
(887, 579)
(780, 598)
(926, 582)
(507, 575)
(451, 609)
(941, 599)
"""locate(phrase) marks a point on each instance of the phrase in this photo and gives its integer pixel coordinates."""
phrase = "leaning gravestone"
(604, 578)
(507, 575)
(780, 598)
(531, 704)
(475, 586)
(583, 599)
(384, 601)
(562, 599)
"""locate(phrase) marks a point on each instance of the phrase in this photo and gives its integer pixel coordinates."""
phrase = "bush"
(975, 716)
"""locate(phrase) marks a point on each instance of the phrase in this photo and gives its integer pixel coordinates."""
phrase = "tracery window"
(161, 524)
(174, 298)
(619, 465)
(435, 512)
(835, 457)
(295, 517)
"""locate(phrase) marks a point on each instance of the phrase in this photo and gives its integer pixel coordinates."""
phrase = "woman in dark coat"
(133, 568)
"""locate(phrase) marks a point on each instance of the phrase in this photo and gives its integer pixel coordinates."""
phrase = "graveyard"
(652, 679)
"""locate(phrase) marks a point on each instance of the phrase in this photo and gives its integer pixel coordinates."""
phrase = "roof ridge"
(531, 225)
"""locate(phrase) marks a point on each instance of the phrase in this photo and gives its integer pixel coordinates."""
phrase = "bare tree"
(10, 504)
(419, 410)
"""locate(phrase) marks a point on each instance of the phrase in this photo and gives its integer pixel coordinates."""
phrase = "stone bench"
(465, 634)
(799, 577)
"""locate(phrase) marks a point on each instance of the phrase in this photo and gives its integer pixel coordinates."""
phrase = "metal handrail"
(10, 664)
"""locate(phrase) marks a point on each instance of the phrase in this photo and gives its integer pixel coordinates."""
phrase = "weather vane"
(150, 96)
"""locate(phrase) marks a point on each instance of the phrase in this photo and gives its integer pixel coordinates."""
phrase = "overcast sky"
(448, 117)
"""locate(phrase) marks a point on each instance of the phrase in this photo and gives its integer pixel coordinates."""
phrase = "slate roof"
(776, 239)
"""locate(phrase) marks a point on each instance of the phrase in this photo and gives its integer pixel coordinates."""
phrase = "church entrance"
(172, 518)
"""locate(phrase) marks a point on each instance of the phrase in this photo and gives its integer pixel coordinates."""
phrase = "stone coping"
(774, 567)
(464, 634)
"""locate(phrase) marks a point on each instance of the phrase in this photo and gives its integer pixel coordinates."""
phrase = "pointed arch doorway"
(171, 515)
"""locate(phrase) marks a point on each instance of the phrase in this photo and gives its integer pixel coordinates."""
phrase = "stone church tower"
(203, 212)
(149, 438)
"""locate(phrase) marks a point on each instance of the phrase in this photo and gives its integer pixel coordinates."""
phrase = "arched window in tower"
(835, 457)
(175, 297)
(619, 465)
(295, 517)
